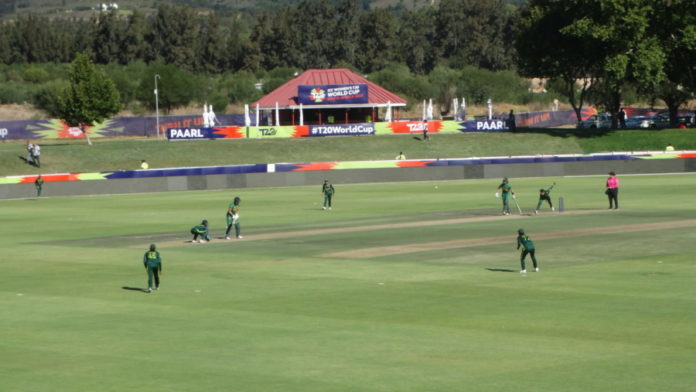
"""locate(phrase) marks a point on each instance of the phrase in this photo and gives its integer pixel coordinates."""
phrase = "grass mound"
(126, 154)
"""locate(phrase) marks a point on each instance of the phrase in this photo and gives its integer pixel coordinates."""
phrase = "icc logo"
(317, 95)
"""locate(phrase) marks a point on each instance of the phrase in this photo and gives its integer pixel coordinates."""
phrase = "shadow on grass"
(24, 159)
(500, 270)
(569, 132)
(134, 289)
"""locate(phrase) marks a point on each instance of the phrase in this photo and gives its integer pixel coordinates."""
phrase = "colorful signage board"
(332, 94)
(342, 129)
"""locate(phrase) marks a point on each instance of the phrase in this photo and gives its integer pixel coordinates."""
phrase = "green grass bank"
(60, 156)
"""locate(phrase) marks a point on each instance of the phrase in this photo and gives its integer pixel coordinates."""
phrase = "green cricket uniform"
(153, 264)
(233, 219)
(38, 184)
(328, 190)
(505, 190)
(200, 230)
(545, 195)
(527, 245)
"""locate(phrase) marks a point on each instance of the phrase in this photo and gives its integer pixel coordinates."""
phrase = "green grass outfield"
(61, 156)
(607, 312)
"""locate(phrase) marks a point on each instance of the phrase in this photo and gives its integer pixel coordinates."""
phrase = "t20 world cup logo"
(317, 95)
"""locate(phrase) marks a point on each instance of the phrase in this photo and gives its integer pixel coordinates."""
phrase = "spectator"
(36, 155)
(425, 131)
(669, 147)
(30, 154)
(511, 121)
(401, 156)
(144, 165)
(622, 118)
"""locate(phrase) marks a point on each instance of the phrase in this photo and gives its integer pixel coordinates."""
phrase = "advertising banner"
(342, 129)
(278, 132)
(494, 125)
(234, 132)
(114, 127)
(329, 94)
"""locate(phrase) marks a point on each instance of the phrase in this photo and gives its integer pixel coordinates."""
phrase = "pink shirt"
(612, 182)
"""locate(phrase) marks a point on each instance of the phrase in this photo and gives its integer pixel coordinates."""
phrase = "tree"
(211, 47)
(378, 40)
(607, 41)
(473, 32)
(417, 34)
(177, 87)
(234, 46)
(5, 48)
(674, 22)
(173, 35)
(106, 43)
(314, 20)
(132, 40)
(347, 32)
(91, 97)
(546, 50)
(630, 54)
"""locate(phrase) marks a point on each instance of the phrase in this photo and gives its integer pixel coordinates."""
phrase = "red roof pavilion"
(289, 112)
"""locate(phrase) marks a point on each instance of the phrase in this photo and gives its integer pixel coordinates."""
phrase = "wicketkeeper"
(200, 231)
(527, 245)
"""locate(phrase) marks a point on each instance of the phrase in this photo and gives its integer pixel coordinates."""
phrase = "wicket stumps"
(561, 205)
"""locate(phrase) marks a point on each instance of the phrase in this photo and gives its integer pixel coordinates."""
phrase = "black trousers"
(613, 194)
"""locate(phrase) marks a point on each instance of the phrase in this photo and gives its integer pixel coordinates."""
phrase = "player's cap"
(521, 231)
(505, 178)
(612, 173)
(542, 190)
(153, 247)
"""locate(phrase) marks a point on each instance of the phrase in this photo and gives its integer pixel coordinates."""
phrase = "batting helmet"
(152, 247)
(520, 231)
(237, 200)
(205, 222)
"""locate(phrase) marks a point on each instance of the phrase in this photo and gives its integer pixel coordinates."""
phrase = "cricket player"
(200, 231)
(527, 245)
(505, 190)
(153, 264)
(38, 183)
(545, 195)
(233, 219)
(328, 190)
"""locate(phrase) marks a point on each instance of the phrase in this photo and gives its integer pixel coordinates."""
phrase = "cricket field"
(400, 287)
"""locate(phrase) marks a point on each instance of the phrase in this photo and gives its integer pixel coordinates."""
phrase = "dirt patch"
(367, 253)
(15, 112)
(337, 230)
